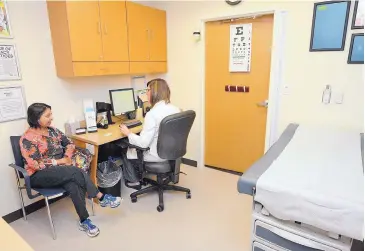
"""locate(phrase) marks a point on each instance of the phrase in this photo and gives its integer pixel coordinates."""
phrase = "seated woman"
(158, 95)
(47, 154)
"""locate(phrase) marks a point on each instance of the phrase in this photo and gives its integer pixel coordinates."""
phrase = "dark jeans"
(130, 169)
(75, 181)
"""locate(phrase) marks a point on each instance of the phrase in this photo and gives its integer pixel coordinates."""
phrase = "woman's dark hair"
(159, 91)
(35, 112)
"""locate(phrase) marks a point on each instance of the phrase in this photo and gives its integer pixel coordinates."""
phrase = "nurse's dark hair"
(35, 112)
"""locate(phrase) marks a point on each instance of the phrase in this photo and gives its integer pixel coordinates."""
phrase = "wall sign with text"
(9, 64)
(240, 48)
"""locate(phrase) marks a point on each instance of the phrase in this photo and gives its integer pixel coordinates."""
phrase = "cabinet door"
(157, 35)
(137, 18)
(85, 30)
(114, 30)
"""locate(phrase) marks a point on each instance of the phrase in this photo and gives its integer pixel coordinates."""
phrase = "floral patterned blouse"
(38, 150)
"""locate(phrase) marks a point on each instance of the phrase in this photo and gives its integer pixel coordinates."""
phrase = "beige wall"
(30, 25)
(305, 73)
(305, 78)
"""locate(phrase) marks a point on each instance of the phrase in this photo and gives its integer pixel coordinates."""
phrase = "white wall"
(305, 77)
(32, 37)
(305, 73)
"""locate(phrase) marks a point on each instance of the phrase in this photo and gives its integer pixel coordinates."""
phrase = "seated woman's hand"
(143, 97)
(124, 130)
(64, 161)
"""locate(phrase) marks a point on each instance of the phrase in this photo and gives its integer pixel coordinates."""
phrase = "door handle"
(264, 103)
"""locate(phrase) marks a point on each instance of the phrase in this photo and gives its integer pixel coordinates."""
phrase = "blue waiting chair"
(47, 193)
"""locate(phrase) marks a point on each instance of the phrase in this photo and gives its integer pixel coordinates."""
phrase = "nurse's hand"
(124, 130)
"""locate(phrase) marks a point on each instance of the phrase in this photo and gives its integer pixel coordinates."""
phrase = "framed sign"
(5, 28)
(359, 15)
(356, 52)
(329, 26)
(9, 64)
(12, 103)
(240, 48)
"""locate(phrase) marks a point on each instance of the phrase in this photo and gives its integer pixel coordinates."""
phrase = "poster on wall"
(5, 29)
(9, 64)
(240, 48)
(356, 52)
(359, 15)
(12, 103)
(329, 26)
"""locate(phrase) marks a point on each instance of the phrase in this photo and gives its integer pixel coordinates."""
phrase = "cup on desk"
(139, 114)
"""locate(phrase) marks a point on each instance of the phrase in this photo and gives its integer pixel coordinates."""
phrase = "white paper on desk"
(91, 148)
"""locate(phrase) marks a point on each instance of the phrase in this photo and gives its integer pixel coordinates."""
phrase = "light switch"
(338, 98)
(286, 90)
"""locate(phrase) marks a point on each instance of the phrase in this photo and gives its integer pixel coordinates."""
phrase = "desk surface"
(10, 240)
(103, 136)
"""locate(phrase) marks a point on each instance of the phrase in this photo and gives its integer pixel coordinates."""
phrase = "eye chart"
(240, 48)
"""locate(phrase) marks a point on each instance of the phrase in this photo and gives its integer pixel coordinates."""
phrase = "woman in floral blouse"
(47, 154)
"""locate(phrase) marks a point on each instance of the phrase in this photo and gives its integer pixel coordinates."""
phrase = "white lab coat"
(149, 134)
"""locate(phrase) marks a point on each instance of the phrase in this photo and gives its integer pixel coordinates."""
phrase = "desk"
(10, 240)
(101, 137)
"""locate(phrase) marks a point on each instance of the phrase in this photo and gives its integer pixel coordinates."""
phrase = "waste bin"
(109, 175)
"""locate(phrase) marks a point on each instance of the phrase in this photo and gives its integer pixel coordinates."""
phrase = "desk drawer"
(287, 240)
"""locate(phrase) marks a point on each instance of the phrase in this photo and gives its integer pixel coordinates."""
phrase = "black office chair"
(47, 193)
(171, 145)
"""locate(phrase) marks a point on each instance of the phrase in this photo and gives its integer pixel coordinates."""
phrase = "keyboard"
(132, 123)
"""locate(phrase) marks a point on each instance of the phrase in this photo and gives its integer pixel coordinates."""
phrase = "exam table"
(308, 191)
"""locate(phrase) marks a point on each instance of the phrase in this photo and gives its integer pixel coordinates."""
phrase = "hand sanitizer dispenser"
(90, 116)
(326, 96)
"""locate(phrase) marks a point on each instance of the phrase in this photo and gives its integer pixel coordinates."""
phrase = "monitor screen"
(122, 101)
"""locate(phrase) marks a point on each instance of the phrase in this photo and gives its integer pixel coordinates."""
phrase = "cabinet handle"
(98, 23)
(105, 29)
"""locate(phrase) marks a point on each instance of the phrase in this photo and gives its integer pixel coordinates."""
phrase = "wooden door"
(114, 30)
(157, 35)
(235, 125)
(137, 19)
(85, 30)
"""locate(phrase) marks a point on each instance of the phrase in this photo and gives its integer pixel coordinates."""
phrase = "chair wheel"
(160, 208)
(134, 199)
(188, 195)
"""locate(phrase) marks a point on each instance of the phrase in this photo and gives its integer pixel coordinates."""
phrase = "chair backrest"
(16, 151)
(173, 135)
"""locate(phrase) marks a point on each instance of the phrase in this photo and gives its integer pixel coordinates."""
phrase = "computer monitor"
(122, 101)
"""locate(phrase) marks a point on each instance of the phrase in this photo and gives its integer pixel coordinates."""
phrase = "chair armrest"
(26, 180)
(124, 143)
(138, 148)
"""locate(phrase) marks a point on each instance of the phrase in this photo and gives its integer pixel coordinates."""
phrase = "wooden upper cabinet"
(147, 33)
(113, 18)
(137, 20)
(158, 35)
(84, 30)
(104, 37)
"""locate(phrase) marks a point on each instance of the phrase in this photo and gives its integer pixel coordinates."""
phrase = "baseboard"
(16, 215)
(189, 162)
(224, 170)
